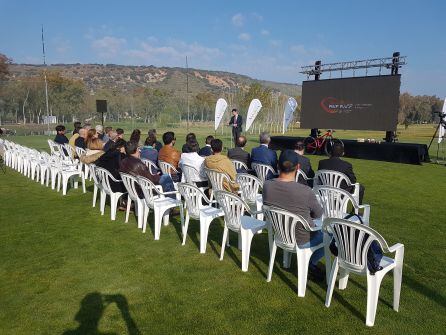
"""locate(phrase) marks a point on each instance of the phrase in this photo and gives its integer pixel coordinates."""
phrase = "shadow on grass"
(91, 310)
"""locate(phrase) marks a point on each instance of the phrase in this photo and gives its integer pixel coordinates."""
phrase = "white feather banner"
(220, 108)
(253, 110)
(288, 113)
(442, 129)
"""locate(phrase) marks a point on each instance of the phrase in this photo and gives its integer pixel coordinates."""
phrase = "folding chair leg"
(223, 242)
(185, 227)
(272, 256)
(331, 282)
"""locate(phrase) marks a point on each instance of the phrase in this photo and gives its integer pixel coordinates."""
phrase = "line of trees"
(22, 100)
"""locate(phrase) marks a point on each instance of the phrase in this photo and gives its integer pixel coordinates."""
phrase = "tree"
(4, 64)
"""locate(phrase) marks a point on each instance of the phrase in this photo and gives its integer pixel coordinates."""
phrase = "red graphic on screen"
(329, 104)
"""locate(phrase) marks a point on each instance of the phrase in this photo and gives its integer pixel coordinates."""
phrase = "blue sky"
(263, 39)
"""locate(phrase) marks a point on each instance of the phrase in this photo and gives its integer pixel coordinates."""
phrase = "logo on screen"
(336, 106)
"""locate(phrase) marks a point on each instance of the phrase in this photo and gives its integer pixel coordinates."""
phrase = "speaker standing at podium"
(236, 122)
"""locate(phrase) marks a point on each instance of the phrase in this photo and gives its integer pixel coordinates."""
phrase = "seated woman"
(135, 136)
(93, 142)
(148, 151)
(191, 158)
(111, 161)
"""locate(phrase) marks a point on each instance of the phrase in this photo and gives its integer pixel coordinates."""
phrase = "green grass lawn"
(65, 267)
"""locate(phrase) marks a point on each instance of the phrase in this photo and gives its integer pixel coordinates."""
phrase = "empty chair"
(335, 179)
(105, 177)
(130, 183)
(353, 241)
(246, 226)
(198, 207)
(262, 171)
(250, 187)
(67, 172)
(338, 203)
(156, 199)
(283, 224)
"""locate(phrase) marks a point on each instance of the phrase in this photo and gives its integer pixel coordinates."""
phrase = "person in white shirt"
(194, 160)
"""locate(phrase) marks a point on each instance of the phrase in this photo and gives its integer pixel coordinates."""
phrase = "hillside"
(125, 78)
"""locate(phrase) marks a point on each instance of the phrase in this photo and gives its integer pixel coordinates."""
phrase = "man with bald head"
(80, 141)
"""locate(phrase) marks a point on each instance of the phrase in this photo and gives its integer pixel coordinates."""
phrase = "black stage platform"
(409, 153)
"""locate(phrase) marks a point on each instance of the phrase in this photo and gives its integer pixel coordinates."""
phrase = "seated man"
(113, 137)
(80, 140)
(221, 163)
(191, 158)
(304, 163)
(206, 150)
(169, 154)
(264, 155)
(335, 163)
(107, 131)
(239, 153)
(60, 137)
(299, 199)
(77, 126)
(133, 165)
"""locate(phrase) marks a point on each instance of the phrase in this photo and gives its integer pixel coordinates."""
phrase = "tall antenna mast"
(187, 93)
(46, 85)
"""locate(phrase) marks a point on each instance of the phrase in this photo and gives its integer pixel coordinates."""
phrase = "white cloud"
(244, 37)
(257, 16)
(61, 45)
(275, 43)
(108, 46)
(238, 20)
(264, 32)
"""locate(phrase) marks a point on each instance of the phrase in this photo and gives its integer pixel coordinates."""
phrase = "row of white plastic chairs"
(280, 224)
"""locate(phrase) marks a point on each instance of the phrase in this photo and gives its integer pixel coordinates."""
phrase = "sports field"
(64, 268)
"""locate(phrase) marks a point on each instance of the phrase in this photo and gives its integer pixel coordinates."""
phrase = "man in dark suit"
(304, 163)
(206, 150)
(236, 122)
(264, 155)
(335, 163)
(238, 153)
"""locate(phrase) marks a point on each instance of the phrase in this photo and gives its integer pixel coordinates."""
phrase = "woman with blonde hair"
(93, 141)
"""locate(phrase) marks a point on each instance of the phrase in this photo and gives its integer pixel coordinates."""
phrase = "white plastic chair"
(238, 165)
(250, 187)
(353, 241)
(335, 179)
(217, 179)
(262, 170)
(246, 226)
(68, 170)
(167, 168)
(301, 173)
(130, 183)
(284, 224)
(105, 177)
(338, 203)
(97, 183)
(195, 209)
(153, 168)
(80, 152)
(155, 199)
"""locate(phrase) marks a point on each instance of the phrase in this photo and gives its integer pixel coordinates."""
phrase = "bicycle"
(325, 141)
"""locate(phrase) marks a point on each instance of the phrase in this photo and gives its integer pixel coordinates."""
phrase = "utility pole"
(187, 94)
(46, 85)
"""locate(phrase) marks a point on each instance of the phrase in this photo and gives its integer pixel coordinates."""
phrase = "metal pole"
(46, 85)
(187, 94)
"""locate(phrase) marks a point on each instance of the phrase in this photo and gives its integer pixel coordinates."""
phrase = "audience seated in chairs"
(169, 154)
(304, 163)
(93, 142)
(238, 153)
(106, 137)
(112, 137)
(158, 144)
(60, 136)
(335, 163)
(221, 163)
(111, 161)
(100, 132)
(148, 151)
(189, 137)
(206, 150)
(191, 158)
(264, 155)
(80, 140)
(299, 199)
(133, 165)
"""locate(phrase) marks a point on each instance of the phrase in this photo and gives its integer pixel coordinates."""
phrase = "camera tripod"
(441, 123)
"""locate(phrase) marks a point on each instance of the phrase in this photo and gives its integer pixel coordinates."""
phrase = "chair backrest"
(336, 202)
(330, 178)
(262, 170)
(69, 150)
(167, 168)
(284, 224)
(104, 176)
(233, 206)
(130, 183)
(79, 151)
(353, 242)
(189, 172)
(149, 190)
(193, 199)
(95, 175)
(238, 165)
(301, 173)
(53, 147)
(217, 178)
(153, 168)
(249, 186)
